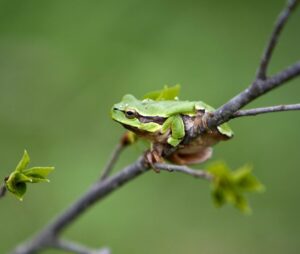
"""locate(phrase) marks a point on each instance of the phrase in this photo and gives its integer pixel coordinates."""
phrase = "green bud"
(229, 187)
(16, 181)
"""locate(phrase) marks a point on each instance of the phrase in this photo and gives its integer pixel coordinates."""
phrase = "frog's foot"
(152, 157)
(191, 158)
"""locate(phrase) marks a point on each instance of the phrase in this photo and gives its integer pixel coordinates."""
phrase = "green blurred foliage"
(64, 63)
(17, 180)
(229, 186)
(166, 93)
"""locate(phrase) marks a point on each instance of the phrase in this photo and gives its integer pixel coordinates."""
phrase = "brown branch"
(258, 88)
(97, 192)
(47, 237)
(184, 169)
(272, 109)
(77, 248)
(261, 84)
(280, 23)
(2, 190)
(111, 162)
(126, 140)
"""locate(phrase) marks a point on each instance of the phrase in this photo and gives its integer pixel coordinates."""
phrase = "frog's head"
(136, 115)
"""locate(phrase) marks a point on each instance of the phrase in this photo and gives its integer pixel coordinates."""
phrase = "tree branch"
(184, 169)
(47, 237)
(261, 84)
(96, 193)
(272, 109)
(258, 88)
(280, 23)
(77, 248)
(126, 140)
(111, 162)
(2, 190)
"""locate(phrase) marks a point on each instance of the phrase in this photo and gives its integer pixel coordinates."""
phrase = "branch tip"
(271, 44)
(264, 110)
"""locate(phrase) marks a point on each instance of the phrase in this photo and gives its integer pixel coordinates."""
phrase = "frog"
(166, 123)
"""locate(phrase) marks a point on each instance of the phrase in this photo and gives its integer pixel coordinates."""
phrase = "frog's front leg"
(173, 130)
(176, 125)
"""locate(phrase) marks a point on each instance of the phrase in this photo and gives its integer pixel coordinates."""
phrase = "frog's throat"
(155, 136)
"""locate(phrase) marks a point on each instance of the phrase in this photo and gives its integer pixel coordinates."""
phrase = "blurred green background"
(64, 63)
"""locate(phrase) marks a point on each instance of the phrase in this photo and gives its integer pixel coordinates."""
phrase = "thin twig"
(272, 109)
(258, 88)
(2, 190)
(184, 169)
(77, 248)
(280, 23)
(126, 140)
(96, 193)
(111, 162)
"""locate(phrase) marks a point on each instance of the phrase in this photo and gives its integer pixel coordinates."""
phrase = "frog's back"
(170, 107)
(164, 108)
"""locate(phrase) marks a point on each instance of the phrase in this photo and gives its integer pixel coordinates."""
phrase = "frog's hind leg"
(191, 158)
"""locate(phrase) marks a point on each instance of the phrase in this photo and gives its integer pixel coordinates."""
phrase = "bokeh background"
(62, 66)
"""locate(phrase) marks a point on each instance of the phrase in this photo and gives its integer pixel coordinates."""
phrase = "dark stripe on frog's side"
(149, 119)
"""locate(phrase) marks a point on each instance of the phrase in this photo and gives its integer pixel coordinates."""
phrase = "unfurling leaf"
(246, 181)
(218, 197)
(40, 172)
(167, 93)
(16, 184)
(230, 186)
(16, 181)
(23, 163)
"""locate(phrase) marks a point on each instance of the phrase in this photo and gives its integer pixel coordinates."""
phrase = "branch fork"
(49, 236)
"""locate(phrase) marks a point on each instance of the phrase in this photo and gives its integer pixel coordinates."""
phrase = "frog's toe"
(152, 157)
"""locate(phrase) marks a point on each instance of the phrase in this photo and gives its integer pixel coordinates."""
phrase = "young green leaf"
(167, 93)
(20, 177)
(23, 162)
(20, 190)
(218, 197)
(246, 181)
(16, 181)
(16, 184)
(41, 172)
(230, 186)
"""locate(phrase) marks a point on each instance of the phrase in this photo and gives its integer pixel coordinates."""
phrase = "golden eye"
(130, 114)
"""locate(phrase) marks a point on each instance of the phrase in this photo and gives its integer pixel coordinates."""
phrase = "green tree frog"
(165, 123)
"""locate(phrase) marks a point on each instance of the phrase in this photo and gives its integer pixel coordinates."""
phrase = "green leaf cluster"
(17, 180)
(167, 93)
(229, 186)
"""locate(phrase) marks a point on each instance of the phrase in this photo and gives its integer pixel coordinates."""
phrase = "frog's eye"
(130, 113)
